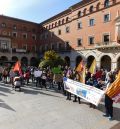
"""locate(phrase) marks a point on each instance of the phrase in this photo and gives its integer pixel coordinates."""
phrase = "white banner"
(88, 93)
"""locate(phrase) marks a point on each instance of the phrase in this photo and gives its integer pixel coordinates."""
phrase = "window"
(34, 37)
(55, 24)
(113, 1)
(98, 6)
(91, 22)
(14, 34)
(59, 32)
(106, 38)
(106, 3)
(46, 35)
(106, 17)
(3, 25)
(79, 42)
(52, 33)
(14, 27)
(41, 36)
(4, 44)
(33, 30)
(67, 29)
(84, 11)
(25, 28)
(25, 46)
(67, 44)
(59, 22)
(79, 25)
(79, 14)
(91, 40)
(63, 21)
(91, 9)
(25, 36)
(67, 19)
(52, 46)
(59, 45)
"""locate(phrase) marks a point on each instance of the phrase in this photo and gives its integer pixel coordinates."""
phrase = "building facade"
(18, 40)
(87, 30)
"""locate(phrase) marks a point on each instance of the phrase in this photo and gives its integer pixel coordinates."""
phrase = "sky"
(34, 10)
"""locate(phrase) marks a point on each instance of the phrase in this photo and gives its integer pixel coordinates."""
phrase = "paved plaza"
(33, 108)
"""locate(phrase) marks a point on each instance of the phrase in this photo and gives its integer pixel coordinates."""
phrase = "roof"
(75, 6)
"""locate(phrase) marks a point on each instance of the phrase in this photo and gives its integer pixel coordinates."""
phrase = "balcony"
(4, 50)
(106, 45)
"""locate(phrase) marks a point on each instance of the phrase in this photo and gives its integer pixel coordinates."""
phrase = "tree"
(52, 59)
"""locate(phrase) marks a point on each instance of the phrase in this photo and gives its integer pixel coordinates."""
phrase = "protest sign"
(88, 93)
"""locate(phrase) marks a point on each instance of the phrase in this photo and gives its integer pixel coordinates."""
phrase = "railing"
(105, 44)
(4, 50)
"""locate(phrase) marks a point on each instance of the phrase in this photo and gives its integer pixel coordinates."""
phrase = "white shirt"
(37, 73)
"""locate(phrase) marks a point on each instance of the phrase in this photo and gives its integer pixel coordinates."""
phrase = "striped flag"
(81, 70)
(92, 68)
(114, 90)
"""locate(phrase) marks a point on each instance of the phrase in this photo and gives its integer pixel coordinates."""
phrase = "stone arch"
(63, 21)
(91, 9)
(59, 22)
(79, 14)
(24, 61)
(33, 61)
(78, 60)
(67, 60)
(98, 6)
(105, 62)
(67, 19)
(14, 58)
(118, 63)
(4, 58)
(90, 60)
(84, 11)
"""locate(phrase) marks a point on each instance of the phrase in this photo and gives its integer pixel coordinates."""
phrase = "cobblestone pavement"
(33, 108)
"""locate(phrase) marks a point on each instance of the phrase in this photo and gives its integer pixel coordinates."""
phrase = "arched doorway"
(106, 62)
(33, 61)
(14, 58)
(78, 60)
(24, 61)
(4, 58)
(90, 59)
(118, 63)
(67, 61)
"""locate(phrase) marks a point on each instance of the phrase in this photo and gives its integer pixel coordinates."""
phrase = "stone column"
(113, 65)
(98, 64)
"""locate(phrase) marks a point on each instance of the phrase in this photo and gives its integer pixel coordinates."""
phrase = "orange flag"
(18, 67)
(80, 66)
(114, 90)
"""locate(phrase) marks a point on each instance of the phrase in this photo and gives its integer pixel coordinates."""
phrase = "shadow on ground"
(4, 105)
(116, 111)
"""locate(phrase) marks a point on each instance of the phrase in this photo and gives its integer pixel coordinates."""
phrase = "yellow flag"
(81, 71)
(82, 75)
(92, 68)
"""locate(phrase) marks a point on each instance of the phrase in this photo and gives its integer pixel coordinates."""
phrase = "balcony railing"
(4, 50)
(106, 44)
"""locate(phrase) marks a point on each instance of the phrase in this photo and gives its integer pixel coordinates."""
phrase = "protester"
(108, 100)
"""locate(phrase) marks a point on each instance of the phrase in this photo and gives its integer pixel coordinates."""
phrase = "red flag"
(18, 67)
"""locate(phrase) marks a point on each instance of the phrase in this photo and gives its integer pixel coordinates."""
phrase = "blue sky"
(34, 10)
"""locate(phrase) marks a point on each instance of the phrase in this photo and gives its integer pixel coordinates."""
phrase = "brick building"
(18, 40)
(87, 30)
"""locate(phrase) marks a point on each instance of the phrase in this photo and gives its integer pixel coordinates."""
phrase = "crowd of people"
(43, 76)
